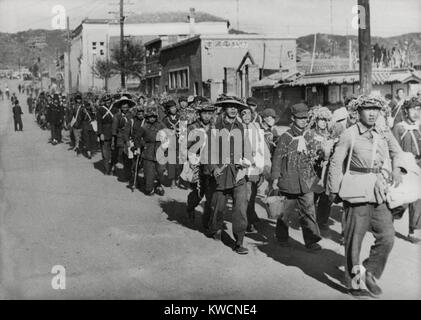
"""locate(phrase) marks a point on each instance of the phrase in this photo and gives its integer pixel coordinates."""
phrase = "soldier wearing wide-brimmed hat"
(120, 120)
(229, 175)
(104, 117)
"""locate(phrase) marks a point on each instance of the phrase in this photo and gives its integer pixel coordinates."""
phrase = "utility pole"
(364, 47)
(123, 76)
(69, 71)
(238, 14)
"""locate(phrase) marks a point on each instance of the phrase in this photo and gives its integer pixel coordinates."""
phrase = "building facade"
(210, 65)
(93, 39)
(331, 88)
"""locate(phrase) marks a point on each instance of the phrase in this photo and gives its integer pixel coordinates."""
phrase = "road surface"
(60, 210)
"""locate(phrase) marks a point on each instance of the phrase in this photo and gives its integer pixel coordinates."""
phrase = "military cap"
(251, 101)
(106, 97)
(78, 96)
(170, 103)
(269, 112)
(300, 110)
(182, 98)
(151, 111)
(200, 99)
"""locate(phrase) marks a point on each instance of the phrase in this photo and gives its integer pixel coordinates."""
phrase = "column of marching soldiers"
(301, 165)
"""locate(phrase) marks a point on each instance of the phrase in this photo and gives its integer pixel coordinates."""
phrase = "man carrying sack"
(408, 133)
(365, 149)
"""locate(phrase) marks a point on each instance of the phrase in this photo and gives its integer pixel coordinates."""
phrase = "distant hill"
(20, 48)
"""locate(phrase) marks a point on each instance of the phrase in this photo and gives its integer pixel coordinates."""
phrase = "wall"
(188, 55)
(219, 52)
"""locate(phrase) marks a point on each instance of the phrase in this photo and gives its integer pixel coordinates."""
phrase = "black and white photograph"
(190, 151)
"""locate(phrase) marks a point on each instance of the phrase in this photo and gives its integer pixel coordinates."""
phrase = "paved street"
(59, 209)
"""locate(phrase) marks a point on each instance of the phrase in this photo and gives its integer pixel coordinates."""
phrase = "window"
(101, 43)
(178, 79)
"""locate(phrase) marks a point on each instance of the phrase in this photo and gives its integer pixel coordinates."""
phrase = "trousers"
(414, 215)
(323, 204)
(360, 218)
(239, 211)
(305, 203)
(207, 187)
(77, 133)
(152, 171)
(252, 217)
(55, 131)
(18, 124)
(106, 154)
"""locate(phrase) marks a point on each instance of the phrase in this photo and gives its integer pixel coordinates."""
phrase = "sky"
(281, 17)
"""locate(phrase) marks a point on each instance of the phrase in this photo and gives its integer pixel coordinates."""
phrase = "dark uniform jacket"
(55, 114)
(146, 137)
(87, 117)
(131, 131)
(77, 113)
(194, 139)
(118, 126)
(227, 180)
(17, 112)
(294, 169)
(170, 123)
(104, 118)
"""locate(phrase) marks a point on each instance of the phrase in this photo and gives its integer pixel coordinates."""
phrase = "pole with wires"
(123, 76)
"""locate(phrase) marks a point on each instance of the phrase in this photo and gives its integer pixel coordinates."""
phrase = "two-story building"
(209, 65)
(94, 38)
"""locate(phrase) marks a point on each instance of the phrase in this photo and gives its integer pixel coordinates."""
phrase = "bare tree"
(133, 57)
(103, 69)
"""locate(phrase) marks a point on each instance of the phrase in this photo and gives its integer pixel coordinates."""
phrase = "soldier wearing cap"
(118, 146)
(293, 174)
(369, 149)
(104, 117)
(252, 103)
(88, 131)
(204, 184)
(55, 117)
(131, 138)
(408, 134)
(146, 141)
(172, 122)
(76, 122)
(269, 118)
(17, 116)
(229, 171)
